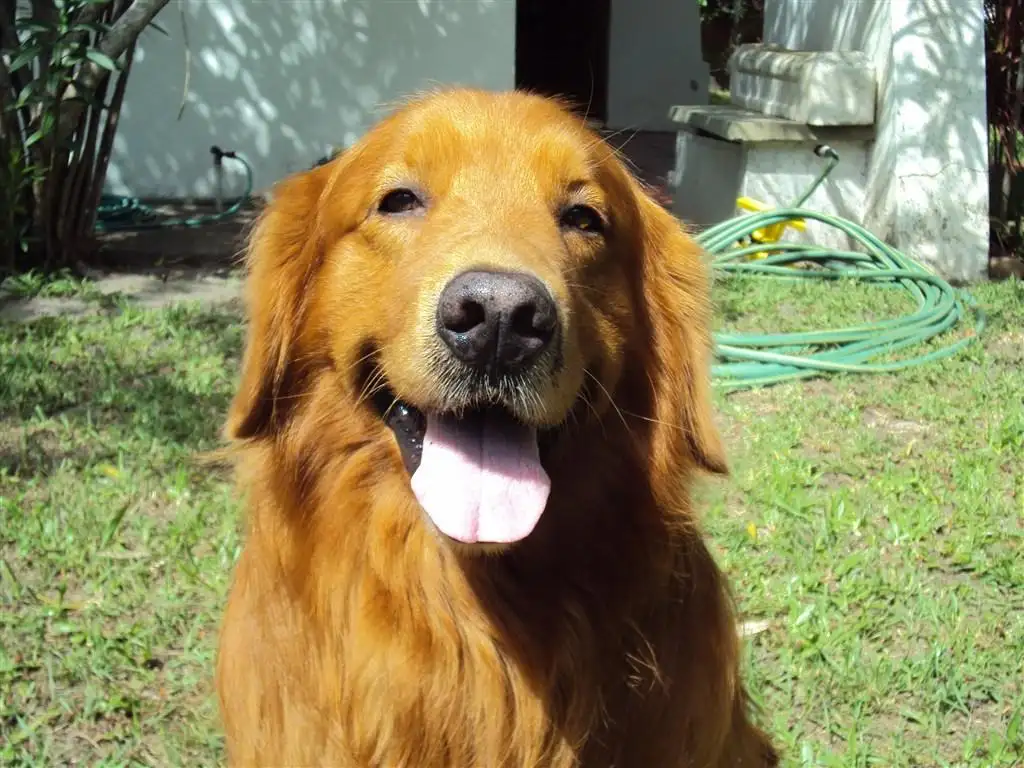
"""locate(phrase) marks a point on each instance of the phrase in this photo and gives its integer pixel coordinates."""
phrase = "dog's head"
(465, 287)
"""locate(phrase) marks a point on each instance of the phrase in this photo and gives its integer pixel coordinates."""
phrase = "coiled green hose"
(751, 360)
(118, 213)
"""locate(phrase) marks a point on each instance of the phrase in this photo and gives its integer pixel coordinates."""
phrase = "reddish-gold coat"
(355, 635)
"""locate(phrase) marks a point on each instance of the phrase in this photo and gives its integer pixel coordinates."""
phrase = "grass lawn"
(873, 528)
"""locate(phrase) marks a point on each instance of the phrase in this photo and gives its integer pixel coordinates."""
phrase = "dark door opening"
(562, 50)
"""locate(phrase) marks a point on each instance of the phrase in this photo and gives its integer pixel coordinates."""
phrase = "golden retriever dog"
(473, 399)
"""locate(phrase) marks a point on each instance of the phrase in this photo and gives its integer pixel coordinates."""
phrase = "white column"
(927, 174)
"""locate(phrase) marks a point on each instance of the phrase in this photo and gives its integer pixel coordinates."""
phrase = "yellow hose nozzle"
(772, 233)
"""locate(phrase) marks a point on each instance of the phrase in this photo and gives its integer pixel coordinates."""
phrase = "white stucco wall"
(926, 187)
(283, 81)
(780, 173)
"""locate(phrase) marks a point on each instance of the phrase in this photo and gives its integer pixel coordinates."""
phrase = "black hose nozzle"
(219, 154)
(824, 150)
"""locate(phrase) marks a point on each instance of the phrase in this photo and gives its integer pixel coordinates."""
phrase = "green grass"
(62, 284)
(875, 524)
(873, 528)
(116, 544)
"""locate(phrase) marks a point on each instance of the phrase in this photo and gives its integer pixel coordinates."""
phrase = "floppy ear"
(284, 250)
(675, 297)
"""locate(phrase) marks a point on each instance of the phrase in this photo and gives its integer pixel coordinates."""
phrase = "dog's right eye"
(399, 201)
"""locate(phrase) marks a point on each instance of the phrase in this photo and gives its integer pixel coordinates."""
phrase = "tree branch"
(119, 39)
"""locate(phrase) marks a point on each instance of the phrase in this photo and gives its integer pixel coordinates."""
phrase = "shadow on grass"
(87, 390)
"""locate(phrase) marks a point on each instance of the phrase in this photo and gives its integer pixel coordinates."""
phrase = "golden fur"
(356, 635)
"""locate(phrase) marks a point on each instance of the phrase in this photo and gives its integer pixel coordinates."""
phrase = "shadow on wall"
(931, 115)
(283, 82)
(937, 58)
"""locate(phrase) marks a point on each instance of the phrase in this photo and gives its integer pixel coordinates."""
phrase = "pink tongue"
(480, 479)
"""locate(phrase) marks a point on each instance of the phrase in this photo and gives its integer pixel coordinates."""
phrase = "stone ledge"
(732, 123)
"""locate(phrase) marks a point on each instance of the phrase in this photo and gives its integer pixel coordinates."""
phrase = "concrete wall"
(707, 179)
(282, 81)
(927, 176)
(654, 62)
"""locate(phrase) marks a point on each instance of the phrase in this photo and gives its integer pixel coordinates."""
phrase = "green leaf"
(72, 55)
(56, 81)
(26, 95)
(94, 27)
(110, 530)
(25, 56)
(47, 123)
(805, 615)
(1013, 729)
(101, 59)
(35, 27)
(34, 138)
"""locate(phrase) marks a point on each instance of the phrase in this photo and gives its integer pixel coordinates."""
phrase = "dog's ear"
(674, 294)
(284, 250)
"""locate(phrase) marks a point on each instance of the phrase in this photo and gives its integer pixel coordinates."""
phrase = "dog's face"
(488, 235)
(473, 276)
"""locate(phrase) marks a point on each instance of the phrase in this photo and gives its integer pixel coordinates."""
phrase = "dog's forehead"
(513, 139)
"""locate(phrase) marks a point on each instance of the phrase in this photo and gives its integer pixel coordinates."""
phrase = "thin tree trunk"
(79, 187)
(107, 144)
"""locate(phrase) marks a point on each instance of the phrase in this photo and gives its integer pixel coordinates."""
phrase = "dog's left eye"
(584, 218)
(399, 201)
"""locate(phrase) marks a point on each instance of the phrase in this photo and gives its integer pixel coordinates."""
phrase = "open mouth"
(477, 474)
(407, 422)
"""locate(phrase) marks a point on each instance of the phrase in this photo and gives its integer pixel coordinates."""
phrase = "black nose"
(497, 322)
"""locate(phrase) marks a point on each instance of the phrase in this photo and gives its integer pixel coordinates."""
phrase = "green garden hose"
(750, 360)
(118, 213)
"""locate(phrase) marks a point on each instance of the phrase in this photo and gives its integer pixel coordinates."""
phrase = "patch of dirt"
(755, 400)
(888, 425)
(733, 433)
(1007, 347)
(833, 481)
(145, 290)
(155, 267)
(210, 248)
(983, 717)
(1004, 267)
(34, 451)
(822, 387)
